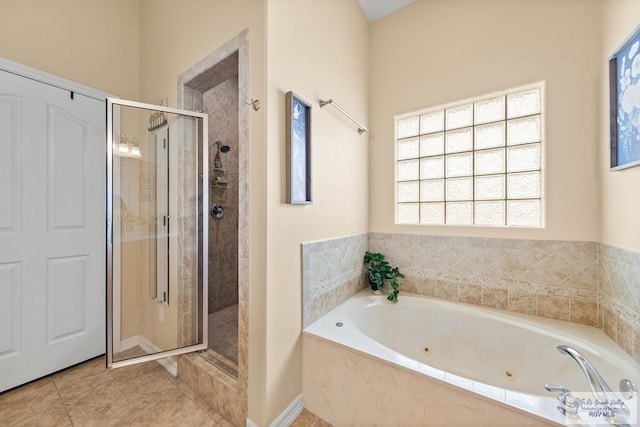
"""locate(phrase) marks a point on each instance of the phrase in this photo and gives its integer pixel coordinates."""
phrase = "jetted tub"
(476, 364)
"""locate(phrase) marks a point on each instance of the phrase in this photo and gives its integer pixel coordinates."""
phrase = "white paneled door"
(52, 229)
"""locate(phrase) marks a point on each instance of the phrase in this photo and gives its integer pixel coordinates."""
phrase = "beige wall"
(92, 42)
(439, 51)
(173, 37)
(620, 208)
(317, 49)
(130, 294)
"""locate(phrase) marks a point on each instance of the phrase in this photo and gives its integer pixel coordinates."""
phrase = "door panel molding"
(10, 309)
(67, 288)
(67, 169)
(10, 163)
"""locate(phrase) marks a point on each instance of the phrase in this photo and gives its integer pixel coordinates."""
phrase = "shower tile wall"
(548, 278)
(331, 273)
(221, 103)
(619, 296)
(185, 272)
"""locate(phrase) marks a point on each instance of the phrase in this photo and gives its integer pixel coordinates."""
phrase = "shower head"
(222, 147)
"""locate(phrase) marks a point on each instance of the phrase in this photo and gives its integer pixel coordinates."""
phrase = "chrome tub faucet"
(569, 405)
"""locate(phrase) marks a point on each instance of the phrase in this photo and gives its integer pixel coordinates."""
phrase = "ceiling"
(376, 9)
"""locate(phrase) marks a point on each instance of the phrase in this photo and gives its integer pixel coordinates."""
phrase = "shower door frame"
(202, 247)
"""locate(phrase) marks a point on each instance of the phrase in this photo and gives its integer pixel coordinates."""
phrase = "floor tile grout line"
(137, 373)
(77, 395)
(32, 414)
(64, 404)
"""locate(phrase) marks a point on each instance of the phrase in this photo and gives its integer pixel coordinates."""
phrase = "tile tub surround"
(332, 271)
(548, 278)
(584, 282)
(619, 296)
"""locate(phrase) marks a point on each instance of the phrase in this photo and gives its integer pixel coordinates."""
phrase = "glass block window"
(472, 163)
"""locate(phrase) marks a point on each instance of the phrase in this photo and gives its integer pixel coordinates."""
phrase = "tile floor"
(309, 419)
(89, 395)
(223, 332)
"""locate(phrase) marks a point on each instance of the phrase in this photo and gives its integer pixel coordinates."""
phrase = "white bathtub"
(503, 357)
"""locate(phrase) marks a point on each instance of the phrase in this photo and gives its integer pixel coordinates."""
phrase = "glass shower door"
(156, 226)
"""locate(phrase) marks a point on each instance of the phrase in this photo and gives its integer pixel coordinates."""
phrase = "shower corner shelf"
(221, 182)
(154, 128)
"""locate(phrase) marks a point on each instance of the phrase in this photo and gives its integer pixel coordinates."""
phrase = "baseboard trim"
(129, 343)
(287, 417)
(290, 413)
(168, 363)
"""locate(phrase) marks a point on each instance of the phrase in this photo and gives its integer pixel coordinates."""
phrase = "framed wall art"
(624, 103)
(298, 142)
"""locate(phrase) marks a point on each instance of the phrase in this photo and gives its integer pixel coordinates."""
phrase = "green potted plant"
(379, 270)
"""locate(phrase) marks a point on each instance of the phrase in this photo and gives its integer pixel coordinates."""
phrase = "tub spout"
(599, 386)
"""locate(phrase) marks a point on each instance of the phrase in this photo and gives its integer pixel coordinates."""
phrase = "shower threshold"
(220, 362)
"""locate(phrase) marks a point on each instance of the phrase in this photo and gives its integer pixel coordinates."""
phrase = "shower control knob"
(217, 211)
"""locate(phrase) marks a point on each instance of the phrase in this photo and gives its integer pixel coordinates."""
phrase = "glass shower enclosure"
(156, 232)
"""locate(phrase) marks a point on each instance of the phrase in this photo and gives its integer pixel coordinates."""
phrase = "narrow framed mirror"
(157, 183)
(156, 225)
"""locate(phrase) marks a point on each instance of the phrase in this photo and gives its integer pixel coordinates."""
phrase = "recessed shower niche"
(218, 87)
